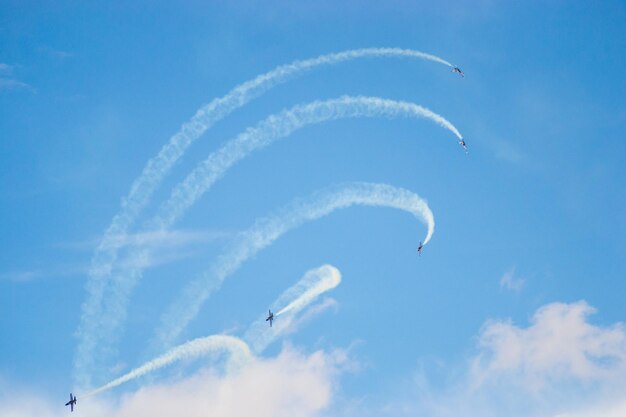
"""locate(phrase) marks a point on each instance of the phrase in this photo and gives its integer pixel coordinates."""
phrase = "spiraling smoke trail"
(157, 167)
(209, 171)
(314, 283)
(238, 351)
(268, 229)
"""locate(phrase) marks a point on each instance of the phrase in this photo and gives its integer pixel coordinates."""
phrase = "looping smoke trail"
(209, 171)
(267, 230)
(313, 284)
(237, 348)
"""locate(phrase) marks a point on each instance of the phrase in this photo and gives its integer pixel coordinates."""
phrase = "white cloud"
(511, 282)
(292, 384)
(560, 344)
(559, 365)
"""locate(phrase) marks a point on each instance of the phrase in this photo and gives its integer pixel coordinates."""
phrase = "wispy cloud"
(6, 68)
(512, 282)
(153, 240)
(21, 276)
(13, 84)
(507, 151)
(56, 53)
(167, 247)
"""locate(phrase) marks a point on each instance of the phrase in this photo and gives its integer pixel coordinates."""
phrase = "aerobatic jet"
(71, 402)
(270, 317)
(458, 71)
(463, 144)
(419, 248)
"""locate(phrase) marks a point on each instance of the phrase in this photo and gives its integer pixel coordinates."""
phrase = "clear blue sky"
(90, 92)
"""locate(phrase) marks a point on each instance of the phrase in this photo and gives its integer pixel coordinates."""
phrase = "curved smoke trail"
(267, 230)
(276, 127)
(209, 171)
(158, 166)
(237, 348)
(313, 284)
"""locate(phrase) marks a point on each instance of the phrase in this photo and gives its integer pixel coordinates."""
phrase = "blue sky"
(89, 93)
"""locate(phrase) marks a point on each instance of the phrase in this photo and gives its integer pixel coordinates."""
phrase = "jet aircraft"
(463, 144)
(458, 71)
(71, 402)
(419, 248)
(270, 317)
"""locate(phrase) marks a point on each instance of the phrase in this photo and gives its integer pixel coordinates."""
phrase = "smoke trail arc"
(209, 171)
(238, 351)
(267, 230)
(314, 283)
(310, 287)
(158, 166)
(293, 300)
(277, 127)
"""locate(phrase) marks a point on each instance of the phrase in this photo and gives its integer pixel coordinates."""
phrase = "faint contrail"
(314, 283)
(267, 230)
(158, 166)
(209, 171)
(238, 350)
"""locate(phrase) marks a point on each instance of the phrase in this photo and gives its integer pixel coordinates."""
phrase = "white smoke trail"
(268, 229)
(157, 167)
(238, 350)
(314, 283)
(309, 288)
(276, 127)
(213, 168)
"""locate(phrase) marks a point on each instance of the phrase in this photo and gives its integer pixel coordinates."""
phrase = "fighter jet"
(463, 144)
(458, 71)
(270, 317)
(419, 248)
(71, 402)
